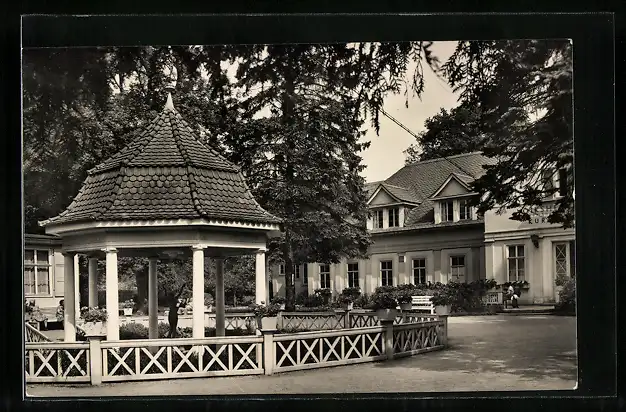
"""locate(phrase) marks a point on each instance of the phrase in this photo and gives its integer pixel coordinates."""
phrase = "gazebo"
(164, 195)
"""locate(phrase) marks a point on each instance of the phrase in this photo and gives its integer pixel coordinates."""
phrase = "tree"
(448, 133)
(302, 160)
(523, 90)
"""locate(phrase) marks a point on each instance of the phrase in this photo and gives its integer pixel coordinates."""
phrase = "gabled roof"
(400, 194)
(463, 180)
(426, 177)
(164, 173)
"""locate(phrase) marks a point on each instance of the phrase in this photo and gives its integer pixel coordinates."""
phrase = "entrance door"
(563, 253)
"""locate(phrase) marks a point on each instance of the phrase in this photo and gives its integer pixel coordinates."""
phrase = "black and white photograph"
(299, 218)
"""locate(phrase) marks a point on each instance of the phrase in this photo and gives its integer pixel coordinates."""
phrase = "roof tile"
(165, 173)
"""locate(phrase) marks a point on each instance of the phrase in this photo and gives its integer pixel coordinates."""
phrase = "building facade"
(534, 251)
(43, 270)
(423, 230)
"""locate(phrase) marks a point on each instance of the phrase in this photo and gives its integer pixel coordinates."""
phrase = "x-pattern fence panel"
(413, 338)
(57, 362)
(309, 350)
(33, 335)
(233, 320)
(180, 358)
(312, 321)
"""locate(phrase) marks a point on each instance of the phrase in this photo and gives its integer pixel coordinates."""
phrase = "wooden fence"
(99, 361)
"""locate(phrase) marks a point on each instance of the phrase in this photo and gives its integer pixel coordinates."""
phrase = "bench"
(422, 303)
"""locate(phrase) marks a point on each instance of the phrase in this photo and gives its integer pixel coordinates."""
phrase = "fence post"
(279, 320)
(269, 357)
(95, 358)
(444, 330)
(346, 320)
(388, 326)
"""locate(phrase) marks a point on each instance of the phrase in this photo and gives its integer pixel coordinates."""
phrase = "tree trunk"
(290, 299)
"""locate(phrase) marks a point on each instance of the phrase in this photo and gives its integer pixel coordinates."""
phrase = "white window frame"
(394, 216)
(38, 265)
(324, 275)
(568, 251)
(421, 270)
(519, 260)
(456, 268)
(386, 273)
(353, 274)
(444, 210)
(464, 207)
(378, 219)
(296, 271)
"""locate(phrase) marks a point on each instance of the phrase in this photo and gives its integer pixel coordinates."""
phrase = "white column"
(153, 306)
(260, 281)
(112, 298)
(69, 318)
(93, 282)
(220, 329)
(198, 292)
(76, 287)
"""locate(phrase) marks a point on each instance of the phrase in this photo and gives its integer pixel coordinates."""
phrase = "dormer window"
(465, 211)
(548, 181)
(394, 217)
(447, 211)
(378, 219)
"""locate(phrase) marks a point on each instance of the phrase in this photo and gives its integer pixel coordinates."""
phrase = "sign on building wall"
(539, 214)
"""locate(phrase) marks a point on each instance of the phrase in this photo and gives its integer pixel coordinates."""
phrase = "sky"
(385, 155)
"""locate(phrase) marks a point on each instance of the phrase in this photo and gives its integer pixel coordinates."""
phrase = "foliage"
(264, 311)
(521, 284)
(278, 300)
(384, 300)
(560, 279)
(364, 302)
(448, 133)
(442, 299)
(523, 90)
(567, 296)
(139, 331)
(94, 314)
(127, 304)
(314, 300)
(349, 295)
(32, 313)
(208, 300)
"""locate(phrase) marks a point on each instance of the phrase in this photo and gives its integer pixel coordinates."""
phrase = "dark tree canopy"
(523, 90)
(449, 133)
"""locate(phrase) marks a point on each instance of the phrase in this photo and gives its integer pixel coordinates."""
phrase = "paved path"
(487, 353)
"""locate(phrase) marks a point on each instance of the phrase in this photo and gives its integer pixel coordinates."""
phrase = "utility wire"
(396, 121)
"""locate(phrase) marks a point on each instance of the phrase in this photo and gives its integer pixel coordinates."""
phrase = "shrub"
(364, 302)
(351, 293)
(567, 296)
(93, 314)
(264, 310)
(314, 300)
(302, 297)
(278, 300)
(133, 331)
(384, 300)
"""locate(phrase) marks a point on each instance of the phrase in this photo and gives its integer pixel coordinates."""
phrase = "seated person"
(60, 310)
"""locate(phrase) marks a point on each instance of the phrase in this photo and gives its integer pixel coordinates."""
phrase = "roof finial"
(169, 104)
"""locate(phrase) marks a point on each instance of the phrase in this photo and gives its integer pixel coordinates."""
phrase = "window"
(378, 219)
(419, 271)
(447, 211)
(561, 260)
(516, 263)
(386, 273)
(281, 270)
(296, 271)
(36, 272)
(465, 211)
(305, 274)
(353, 275)
(457, 268)
(325, 276)
(394, 217)
(401, 258)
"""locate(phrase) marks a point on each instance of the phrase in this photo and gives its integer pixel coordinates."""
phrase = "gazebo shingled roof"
(165, 173)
